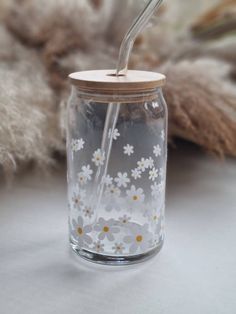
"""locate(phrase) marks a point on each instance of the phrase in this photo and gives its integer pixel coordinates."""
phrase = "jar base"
(115, 260)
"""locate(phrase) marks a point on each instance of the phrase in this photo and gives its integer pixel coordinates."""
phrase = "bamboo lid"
(106, 80)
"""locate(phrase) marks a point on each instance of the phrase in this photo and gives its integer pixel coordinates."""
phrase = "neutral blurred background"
(194, 44)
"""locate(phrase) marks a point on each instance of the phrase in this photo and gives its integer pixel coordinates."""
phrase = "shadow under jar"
(116, 165)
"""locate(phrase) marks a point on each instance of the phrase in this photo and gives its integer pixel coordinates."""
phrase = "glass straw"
(137, 27)
(113, 109)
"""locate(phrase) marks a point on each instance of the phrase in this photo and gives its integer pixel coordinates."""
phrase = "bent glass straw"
(137, 27)
(113, 109)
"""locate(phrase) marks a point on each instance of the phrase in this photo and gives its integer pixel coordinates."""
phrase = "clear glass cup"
(117, 217)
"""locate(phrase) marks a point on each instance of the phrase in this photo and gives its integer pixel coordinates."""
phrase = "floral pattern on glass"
(122, 192)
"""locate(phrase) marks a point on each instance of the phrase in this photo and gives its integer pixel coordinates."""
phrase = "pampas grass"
(202, 104)
(29, 128)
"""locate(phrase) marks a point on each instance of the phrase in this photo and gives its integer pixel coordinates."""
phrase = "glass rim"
(118, 96)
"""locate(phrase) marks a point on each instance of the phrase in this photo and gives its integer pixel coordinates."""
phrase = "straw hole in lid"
(114, 75)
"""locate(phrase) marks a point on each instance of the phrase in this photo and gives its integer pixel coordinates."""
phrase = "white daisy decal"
(112, 191)
(150, 162)
(87, 172)
(98, 157)
(157, 189)
(118, 248)
(78, 198)
(157, 150)
(163, 135)
(139, 239)
(107, 180)
(88, 212)
(136, 173)
(115, 134)
(128, 150)
(98, 247)
(152, 215)
(122, 179)
(80, 232)
(106, 229)
(135, 196)
(124, 220)
(153, 174)
(77, 145)
(142, 164)
(82, 179)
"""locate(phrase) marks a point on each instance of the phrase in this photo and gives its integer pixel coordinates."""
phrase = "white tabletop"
(194, 273)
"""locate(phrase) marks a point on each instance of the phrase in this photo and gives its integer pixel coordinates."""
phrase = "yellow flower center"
(135, 198)
(139, 238)
(105, 229)
(80, 231)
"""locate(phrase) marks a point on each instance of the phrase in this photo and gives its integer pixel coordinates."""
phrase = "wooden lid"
(106, 80)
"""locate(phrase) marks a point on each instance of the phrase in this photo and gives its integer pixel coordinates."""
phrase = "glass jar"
(117, 153)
